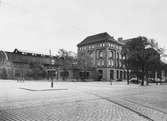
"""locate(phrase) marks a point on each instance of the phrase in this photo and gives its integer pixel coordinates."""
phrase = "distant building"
(18, 64)
(105, 53)
(21, 64)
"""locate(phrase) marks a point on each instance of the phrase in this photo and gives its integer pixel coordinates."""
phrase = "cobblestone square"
(81, 101)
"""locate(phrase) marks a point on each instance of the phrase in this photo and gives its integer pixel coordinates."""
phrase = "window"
(117, 55)
(90, 47)
(123, 57)
(102, 62)
(98, 62)
(110, 62)
(120, 64)
(120, 56)
(110, 54)
(97, 54)
(101, 54)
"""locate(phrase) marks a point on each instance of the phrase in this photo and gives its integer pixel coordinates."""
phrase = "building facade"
(105, 54)
(20, 64)
(100, 51)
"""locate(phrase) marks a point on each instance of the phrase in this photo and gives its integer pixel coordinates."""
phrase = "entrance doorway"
(121, 75)
(111, 74)
(100, 74)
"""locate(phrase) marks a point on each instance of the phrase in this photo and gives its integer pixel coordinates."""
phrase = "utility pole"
(51, 74)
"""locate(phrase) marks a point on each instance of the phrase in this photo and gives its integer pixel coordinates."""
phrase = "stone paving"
(148, 101)
(78, 101)
(92, 110)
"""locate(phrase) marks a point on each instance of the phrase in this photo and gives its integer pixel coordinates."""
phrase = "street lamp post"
(51, 80)
(51, 71)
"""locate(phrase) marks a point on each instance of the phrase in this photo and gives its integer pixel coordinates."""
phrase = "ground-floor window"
(84, 75)
(64, 75)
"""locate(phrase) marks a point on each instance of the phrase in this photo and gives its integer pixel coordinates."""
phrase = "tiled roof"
(101, 37)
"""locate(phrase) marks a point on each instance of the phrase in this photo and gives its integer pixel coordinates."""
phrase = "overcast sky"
(40, 25)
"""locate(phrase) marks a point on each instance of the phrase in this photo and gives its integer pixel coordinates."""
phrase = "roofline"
(116, 42)
(31, 54)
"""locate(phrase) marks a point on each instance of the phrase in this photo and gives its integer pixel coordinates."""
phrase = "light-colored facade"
(105, 54)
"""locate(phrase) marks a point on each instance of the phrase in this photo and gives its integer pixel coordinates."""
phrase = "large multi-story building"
(105, 53)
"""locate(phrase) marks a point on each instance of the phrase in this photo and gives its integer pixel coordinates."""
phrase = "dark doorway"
(100, 74)
(117, 74)
(111, 74)
(84, 75)
(64, 75)
(124, 74)
(121, 75)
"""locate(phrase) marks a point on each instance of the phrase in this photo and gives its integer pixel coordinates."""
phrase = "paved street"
(79, 101)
